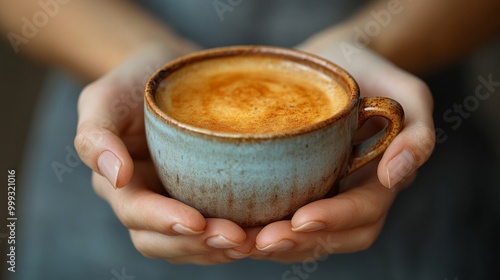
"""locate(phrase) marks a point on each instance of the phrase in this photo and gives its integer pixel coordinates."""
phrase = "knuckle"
(356, 208)
(83, 143)
(426, 140)
(89, 88)
(81, 139)
(90, 136)
(124, 212)
(419, 85)
(416, 85)
(418, 88)
(87, 146)
(138, 213)
(94, 88)
(87, 93)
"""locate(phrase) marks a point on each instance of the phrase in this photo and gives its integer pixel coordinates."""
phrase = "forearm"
(434, 33)
(86, 37)
(423, 35)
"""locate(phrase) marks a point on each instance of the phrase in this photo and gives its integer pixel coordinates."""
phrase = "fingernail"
(400, 167)
(235, 254)
(310, 227)
(220, 242)
(109, 165)
(280, 246)
(181, 229)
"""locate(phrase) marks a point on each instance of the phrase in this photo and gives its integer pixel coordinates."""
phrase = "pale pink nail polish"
(181, 229)
(109, 166)
(310, 227)
(280, 246)
(400, 167)
(235, 254)
(220, 242)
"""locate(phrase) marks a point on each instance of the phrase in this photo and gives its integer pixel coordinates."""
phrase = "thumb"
(97, 139)
(102, 126)
(409, 150)
(414, 144)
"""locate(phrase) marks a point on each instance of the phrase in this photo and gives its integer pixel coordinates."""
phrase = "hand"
(352, 220)
(111, 140)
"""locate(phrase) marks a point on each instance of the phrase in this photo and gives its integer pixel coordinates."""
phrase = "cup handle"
(374, 146)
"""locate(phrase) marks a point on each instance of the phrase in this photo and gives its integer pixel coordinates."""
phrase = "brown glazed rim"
(328, 68)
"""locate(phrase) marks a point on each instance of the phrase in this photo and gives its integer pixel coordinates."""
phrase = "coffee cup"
(253, 133)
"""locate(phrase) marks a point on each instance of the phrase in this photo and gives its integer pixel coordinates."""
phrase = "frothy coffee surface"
(249, 95)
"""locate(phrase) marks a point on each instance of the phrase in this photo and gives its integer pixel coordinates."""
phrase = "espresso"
(250, 95)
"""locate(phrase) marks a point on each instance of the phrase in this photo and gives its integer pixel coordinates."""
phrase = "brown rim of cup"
(313, 61)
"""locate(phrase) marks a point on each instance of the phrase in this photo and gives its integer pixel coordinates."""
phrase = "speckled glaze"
(257, 179)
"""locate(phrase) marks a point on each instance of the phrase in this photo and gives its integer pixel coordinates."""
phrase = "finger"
(217, 257)
(110, 110)
(228, 255)
(415, 143)
(97, 140)
(357, 206)
(313, 246)
(248, 247)
(219, 234)
(141, 206)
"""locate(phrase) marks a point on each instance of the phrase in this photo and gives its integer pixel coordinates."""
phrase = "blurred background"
(475, 142)
(20, 84)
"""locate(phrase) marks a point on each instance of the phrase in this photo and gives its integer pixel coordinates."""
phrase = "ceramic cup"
(257, 179)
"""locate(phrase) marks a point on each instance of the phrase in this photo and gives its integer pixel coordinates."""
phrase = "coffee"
(250, 95)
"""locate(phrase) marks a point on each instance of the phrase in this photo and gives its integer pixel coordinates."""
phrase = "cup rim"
(308, 59)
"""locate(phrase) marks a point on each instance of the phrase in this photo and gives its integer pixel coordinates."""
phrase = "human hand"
(352, 220)
(111, 140)
(376, 76)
